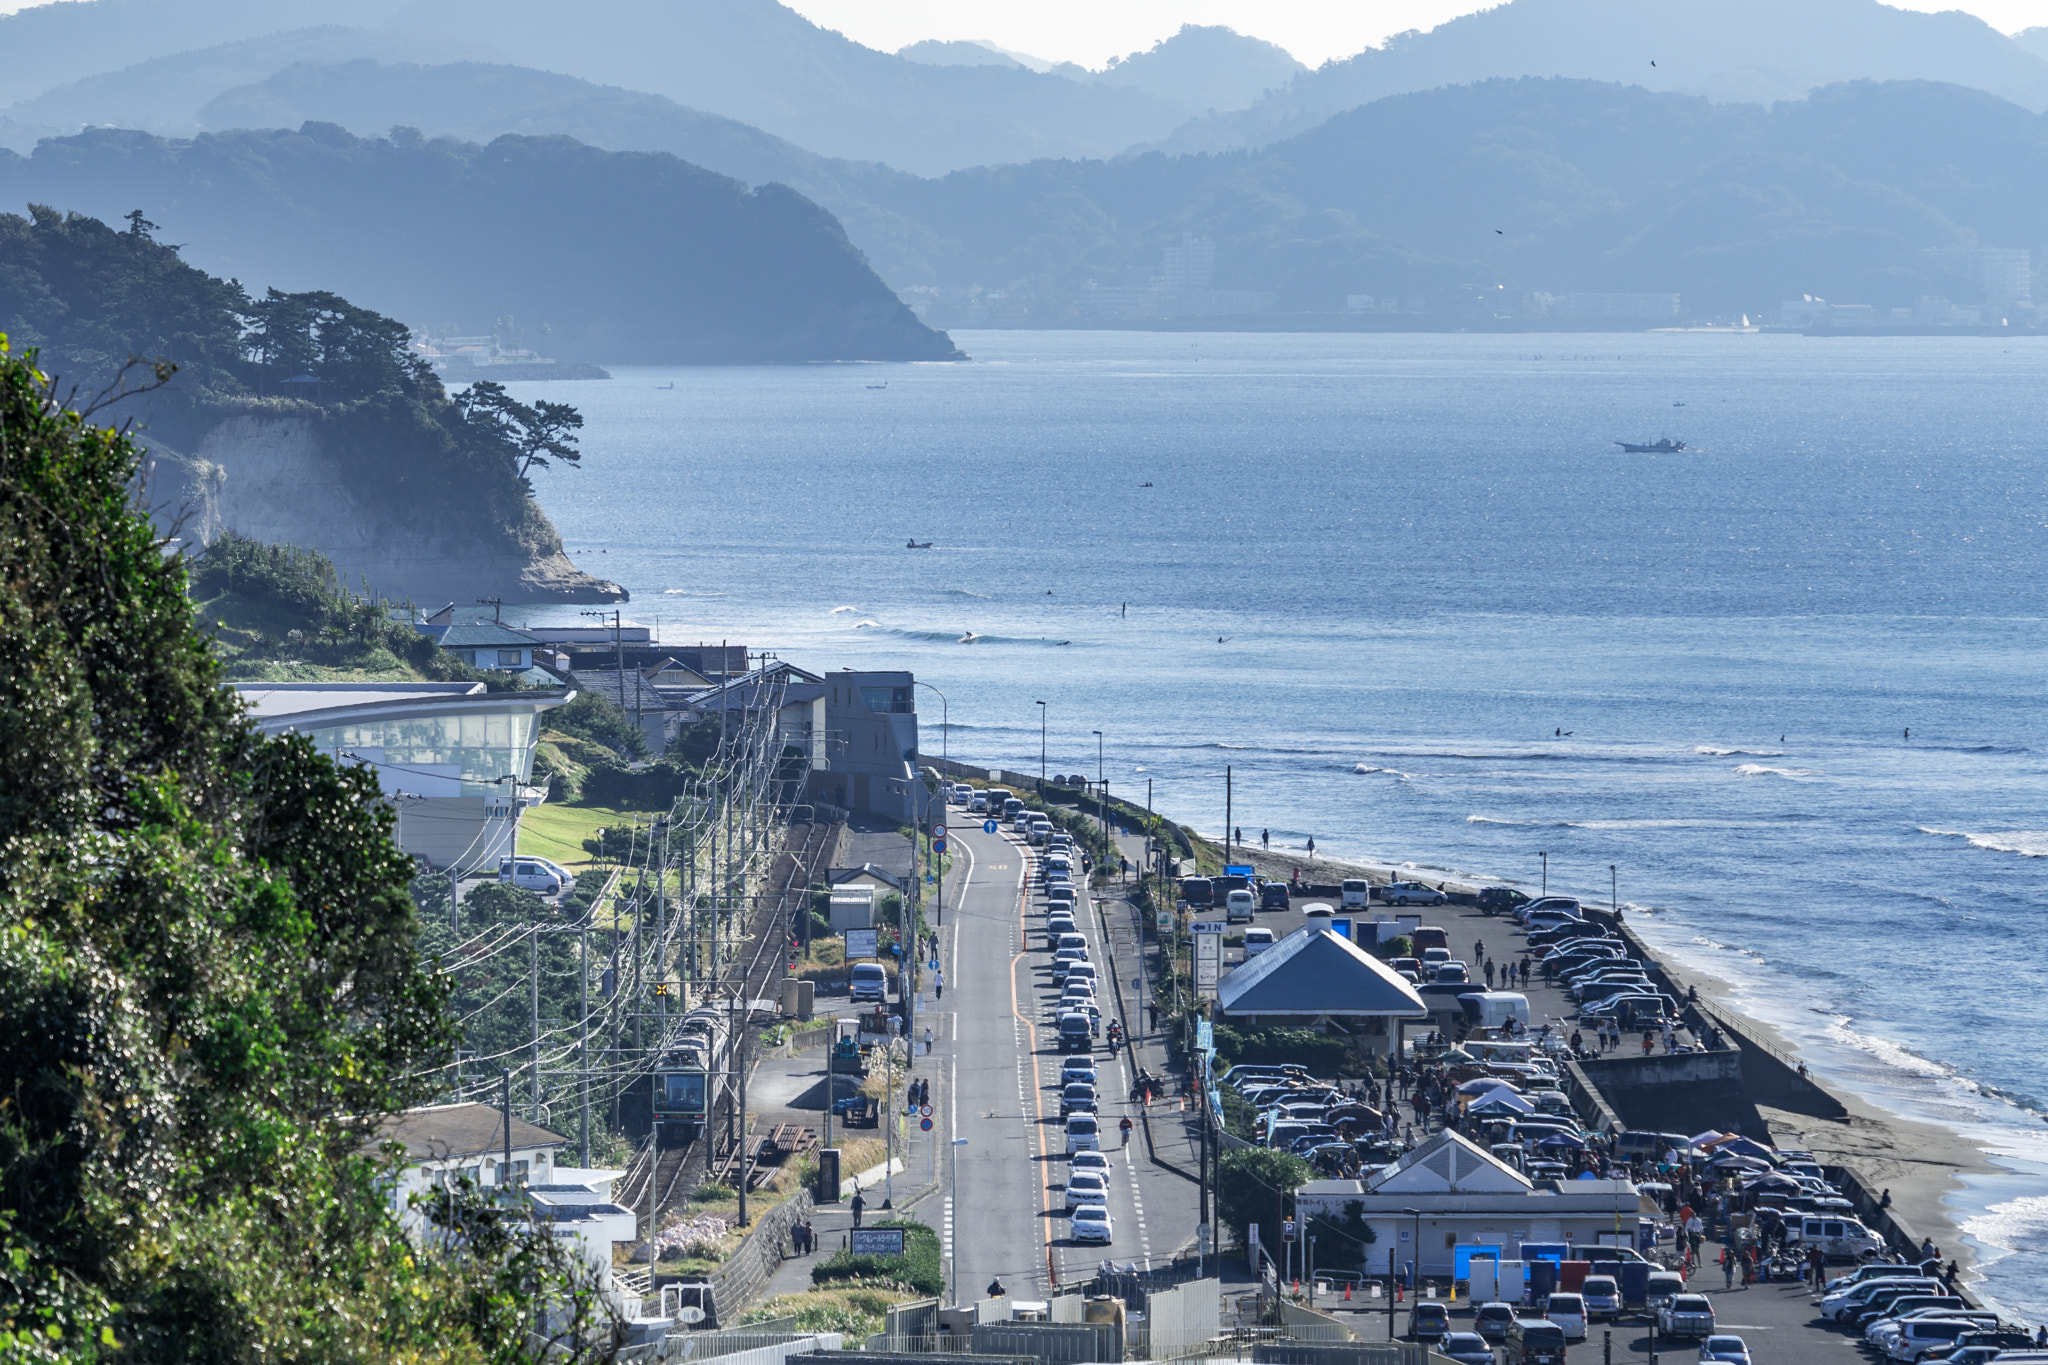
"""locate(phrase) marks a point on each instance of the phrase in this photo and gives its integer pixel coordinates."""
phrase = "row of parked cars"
(1311, 1118)
(1079, 1020)
(1914, 1317)
(1594, 966)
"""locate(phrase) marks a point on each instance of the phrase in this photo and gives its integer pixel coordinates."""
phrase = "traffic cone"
(1347, 1291)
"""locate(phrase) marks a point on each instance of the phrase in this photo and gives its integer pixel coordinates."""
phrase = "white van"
(1240, 905)
(1568, 1311)
(1256, 941)
(869, 982)
(1837, 1238)
(1357, 894)
(533, 874)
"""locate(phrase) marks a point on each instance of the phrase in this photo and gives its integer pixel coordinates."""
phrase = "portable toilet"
(1571, 1276)
(1542, 1280)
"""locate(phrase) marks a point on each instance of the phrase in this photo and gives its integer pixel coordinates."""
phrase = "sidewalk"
(1171, 1135)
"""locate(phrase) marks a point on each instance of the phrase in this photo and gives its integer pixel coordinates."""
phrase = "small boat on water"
(1662, 446)
(917, 545)
(883, 385)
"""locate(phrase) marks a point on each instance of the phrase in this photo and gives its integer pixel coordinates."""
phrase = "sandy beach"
(1918, 1162)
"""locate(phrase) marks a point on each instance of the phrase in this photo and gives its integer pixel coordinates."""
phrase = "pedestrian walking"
(1311, 845)
(927, 1039)
(1489, 974)
(1728, 1267)
(860, 1206)
(939, 985)
(1266, 840)
(1153, 1008)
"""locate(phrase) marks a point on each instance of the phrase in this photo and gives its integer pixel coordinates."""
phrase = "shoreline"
(1923, 1164)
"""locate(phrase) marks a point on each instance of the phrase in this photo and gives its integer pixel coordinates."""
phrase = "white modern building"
(454, 758)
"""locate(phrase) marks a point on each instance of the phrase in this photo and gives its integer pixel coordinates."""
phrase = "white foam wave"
(1390, 772)
(867, 625)
(836, 610)
(2028, 843)
(1712, 752)
(1759, 770)
(2014, 1225)
(963, 592)
(1514, 824)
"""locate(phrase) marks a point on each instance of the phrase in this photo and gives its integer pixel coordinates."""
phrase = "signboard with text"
(876, 1241)
(862, 943)
(1208, 961)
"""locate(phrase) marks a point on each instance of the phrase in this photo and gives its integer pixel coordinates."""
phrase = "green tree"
(526, 434)
(1255, 1185)
(209, 982)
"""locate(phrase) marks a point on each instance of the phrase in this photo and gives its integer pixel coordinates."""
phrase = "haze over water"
(1425, 556)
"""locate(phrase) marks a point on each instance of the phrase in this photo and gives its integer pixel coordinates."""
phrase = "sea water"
(1779, 694)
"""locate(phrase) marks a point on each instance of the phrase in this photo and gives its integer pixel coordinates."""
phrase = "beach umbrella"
(1708, 1138)
(1486, 1083)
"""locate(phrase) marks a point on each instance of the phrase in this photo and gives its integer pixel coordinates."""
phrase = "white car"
(1410, 893)
(1240, 905)
(534, 874)
(1084, 1133)
(1086, 1187)
(1256, 941)
(977, 804)
(1089, 1161)
(1091, 1224)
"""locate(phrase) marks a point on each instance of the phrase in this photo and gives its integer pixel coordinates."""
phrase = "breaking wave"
(2028, 843)
(1712, 752)
(1759, 770)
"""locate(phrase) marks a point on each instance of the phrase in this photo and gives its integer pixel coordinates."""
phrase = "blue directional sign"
(988, 827)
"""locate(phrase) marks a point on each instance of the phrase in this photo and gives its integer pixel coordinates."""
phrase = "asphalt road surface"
(1000, 1050)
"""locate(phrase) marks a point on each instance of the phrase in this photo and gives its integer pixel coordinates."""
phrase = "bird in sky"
(1653, 63)
(1498, 233)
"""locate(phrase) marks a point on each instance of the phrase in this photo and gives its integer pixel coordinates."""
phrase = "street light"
(1101, 794)
(1041, 748)
(958, 1143)
(1414, 1270)
(1613, 896)
(945, 724)
(1546, 872)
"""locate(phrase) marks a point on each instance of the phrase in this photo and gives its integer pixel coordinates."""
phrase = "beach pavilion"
(1315, 979)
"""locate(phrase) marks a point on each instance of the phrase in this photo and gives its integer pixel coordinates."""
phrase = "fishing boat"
(1662, 446)
(917, 545)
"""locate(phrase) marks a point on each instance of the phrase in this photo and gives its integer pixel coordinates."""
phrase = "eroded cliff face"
(270, 478)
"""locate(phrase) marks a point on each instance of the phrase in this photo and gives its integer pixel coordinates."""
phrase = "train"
(686, 1076)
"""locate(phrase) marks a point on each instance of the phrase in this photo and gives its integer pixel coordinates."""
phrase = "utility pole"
(583, 1038)
(505, 1102)
(533, 985)
(1228, 813)
(746, 1147)
(661, 926)
(1041, 748)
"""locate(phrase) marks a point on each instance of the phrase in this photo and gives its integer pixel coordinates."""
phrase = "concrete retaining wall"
(759, 1254)
(1677, 1092)
(1053, 1343)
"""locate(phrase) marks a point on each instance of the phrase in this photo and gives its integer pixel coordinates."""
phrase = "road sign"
(1202, 1235)
(876, 1242)
(1287, 1229)
(926, 1110)
(1208, 962)
(862, 942)
(925, 1124)
(1208, 926)
(938, 831)
(938, 845)
(988, 827)
(1252, 1238)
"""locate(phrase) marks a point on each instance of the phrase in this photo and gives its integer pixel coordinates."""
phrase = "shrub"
(918, 1267)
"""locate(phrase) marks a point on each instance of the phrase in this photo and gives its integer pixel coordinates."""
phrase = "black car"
(1273, 896)
(1498, 900)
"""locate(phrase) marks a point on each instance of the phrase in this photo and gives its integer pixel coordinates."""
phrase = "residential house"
(867, 874)
(486, 644)
(869, 759)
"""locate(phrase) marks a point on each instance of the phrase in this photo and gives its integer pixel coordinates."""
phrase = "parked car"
(1730, 1350)
(1662, 1287)
(1467, 1348)
(533, 874)
(1844, 1305)
(1535, 1341)
(1091, 1223)
(1356, 893)
(1568, 1311)
(1256, 941)
(1686, 1315)
(1498, 900)
(1603, 1298)
(1429, 1321)
(1838, 1238)
(1239, 905)
(1273, 896)
(1411, 893)
(1492, 1320)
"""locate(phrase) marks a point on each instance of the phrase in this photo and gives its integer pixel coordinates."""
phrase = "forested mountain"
(1729, 50)
(631, 257)
(1548, 185)
(295, 417)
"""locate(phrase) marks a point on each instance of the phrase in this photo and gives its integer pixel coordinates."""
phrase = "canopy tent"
(1560, 1141)
(1313, 974)
(1483, 1084)
(1500, 1104)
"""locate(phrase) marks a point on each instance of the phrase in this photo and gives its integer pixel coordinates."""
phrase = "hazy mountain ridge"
(636, 257)
(1530, 185)
(1736, 50)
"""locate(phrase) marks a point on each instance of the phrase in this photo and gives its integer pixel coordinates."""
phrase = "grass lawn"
(557, 831)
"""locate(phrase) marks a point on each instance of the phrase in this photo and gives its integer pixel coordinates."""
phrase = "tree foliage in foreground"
(209, 982)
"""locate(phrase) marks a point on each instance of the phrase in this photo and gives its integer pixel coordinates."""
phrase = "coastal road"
(1002, 1061)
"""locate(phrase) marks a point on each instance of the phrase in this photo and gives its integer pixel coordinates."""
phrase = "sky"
(1091, 31)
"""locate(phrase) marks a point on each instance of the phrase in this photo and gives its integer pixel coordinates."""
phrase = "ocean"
(1785, 684)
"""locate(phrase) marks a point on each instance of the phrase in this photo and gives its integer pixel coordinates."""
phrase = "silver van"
(1837, 1238)
(1240, 905)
